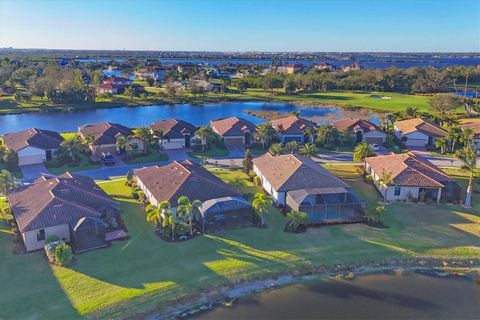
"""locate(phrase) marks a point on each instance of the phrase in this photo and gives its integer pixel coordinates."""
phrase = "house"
(301, 184)
(293, 128)
(176, 134)
(361, 130)
(352, 67)
(105, 134)
(221, 204)
(324, 66)
(185, 67)
(119, 81)
(33, 146)
(290, 68)
(476, 129)
(111, 88)
(411, 177)
(234, 131)
(418, 132)
(70, 207)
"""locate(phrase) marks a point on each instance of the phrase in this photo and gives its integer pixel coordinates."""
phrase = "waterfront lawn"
(84, 164)
(144, 272)
(213, 152)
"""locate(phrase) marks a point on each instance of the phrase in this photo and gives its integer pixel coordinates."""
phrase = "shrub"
(135, 194)
(51, 239)
(63, 254)
(141, 196)
(257, 181)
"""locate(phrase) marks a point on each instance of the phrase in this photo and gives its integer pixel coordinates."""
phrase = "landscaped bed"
(144, 273)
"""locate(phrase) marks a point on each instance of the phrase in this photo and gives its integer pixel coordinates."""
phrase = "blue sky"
(235, 25)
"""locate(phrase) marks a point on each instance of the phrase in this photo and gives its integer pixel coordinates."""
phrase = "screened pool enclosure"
(225, 213)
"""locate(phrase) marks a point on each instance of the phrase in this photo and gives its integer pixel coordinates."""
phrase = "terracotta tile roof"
(37, 138)
(473, 125)
(185, 178)
(293, 172)
(351, 124)
(421, 125)
(56, 201)
(410, 170)
(173, 128)
(292, 125)
(233, 126)
(105, 132)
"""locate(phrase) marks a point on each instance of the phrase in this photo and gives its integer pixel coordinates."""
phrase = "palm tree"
(260, 204)
(204, 133)
(291, 146)
(144, 134)
(308, 134)
(453, 135)
(361, 152)
(122, 143)
(237, 183)
(276, 149)
(466, 137)
(188, 208)
(308, 150)
(296, 219)
(411, 112)
(169, 221)
(71, 147)
(265, 133)
(153, 214)
(384, 180)
(468, 155)
(158, 135)
(87, 141)
(442, 144)
(7, 182)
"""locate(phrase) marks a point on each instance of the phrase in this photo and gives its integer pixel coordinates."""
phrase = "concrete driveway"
(33, 171)
(177, 154)
(236, 152)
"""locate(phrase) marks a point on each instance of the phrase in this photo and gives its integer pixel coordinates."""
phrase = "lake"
(141, 116)
(366, 297)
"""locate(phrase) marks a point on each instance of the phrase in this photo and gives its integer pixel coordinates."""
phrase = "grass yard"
(84, 164)
(152, 156)
(213, 152)
(144, 272)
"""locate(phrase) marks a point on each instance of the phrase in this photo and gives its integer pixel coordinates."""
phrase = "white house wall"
(30, 237)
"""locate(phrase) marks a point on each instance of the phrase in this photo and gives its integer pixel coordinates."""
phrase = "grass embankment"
(144, 272)
(390, 102)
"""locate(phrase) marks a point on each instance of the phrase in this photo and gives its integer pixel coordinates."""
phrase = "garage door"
(415, 142)
(373, 140)
(30, 159)
(234, 141)
(288, 139)
(101, 149)
(173, 145)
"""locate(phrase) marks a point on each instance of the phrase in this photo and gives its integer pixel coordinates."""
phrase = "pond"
(141, 116)
(366, 297)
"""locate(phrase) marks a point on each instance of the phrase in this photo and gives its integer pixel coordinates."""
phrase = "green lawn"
(84, 164)
(213, 152)
(151, 156)
(144, 272)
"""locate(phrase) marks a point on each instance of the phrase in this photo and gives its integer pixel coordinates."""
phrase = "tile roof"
(55, 201)
(409, 169)
(171, 181)
(233, 126)
(173, 128)
(37, 138)
(421, 125)
(292, 125)
(293, 172)
(351, 124)
(473, 125)
(105, 132)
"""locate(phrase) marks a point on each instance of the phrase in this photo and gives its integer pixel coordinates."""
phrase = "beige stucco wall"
(30, 237)
(277, 197)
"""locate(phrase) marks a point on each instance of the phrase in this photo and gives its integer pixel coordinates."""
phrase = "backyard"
(144, 272)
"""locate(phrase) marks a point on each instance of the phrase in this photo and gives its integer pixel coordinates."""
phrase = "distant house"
(118, 81)
(33, 145)
(411, 177)
(418, 132)
(177, 134)
(301, 184)
(361, 130)
(71, 207)
(234, 131)
(352, 67)
(185, 67)
(222, 205)
(290, 68)
(105, 135)
(293, 128)
(111, 88)
(476, 129)
(324, 66)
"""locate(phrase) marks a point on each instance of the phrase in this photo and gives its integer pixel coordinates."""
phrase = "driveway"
(236, 152)
(177, 154)
(33, 171)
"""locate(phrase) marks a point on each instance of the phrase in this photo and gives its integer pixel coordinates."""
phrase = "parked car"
(375, 147)
(107, 158)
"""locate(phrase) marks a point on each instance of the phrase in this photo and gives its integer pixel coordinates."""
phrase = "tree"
(247, 162)
(169, 220)
(72, 147)
(411, 112)
(7, 182)
(171, 89)
(97, 79)
(153, 214)
(385, 180)
(327, 135)
(260, 204)
(308, 150)
(150, 81)
(291, 146)
(380, 211)
(442, 144)
(454, 135)
(205, 133)
(296, 218)
(63, 254)
(122, 143)
(272, 81)
(289, 85)
(265, 133)
(362, 151)
(144, 134)
(467, 136)
(444, 103)
(468, 155)
(187, 208)
(237, 183)
(276, 149)
(130, 92)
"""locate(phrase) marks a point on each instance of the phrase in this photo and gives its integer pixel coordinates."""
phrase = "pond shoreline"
(226, 295)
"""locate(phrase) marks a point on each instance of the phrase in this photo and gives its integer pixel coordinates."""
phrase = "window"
(41, 235)
(397, 191)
